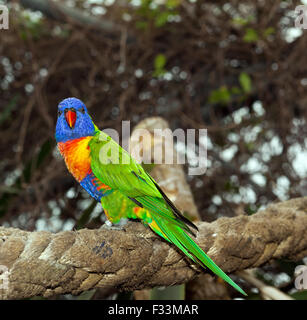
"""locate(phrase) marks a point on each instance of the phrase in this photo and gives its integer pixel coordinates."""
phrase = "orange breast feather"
(76, 154)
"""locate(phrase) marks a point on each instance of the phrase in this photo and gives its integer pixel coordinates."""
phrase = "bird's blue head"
(73, 121)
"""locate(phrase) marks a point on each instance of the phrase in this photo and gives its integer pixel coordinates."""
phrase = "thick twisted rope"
(46, 264)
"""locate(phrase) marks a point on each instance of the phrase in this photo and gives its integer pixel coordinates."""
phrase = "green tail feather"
(179, 238)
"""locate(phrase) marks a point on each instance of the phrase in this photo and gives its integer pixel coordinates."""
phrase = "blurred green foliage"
(224, 95)
(159, 64)
(152, 13)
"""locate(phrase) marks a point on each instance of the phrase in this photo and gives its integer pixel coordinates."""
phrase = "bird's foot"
(110, 226)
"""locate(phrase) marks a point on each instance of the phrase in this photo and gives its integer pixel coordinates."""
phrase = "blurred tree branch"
(58, 11)
(267, 292)
(42, 263)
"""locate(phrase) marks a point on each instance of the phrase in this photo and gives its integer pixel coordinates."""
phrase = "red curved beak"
(71, 117)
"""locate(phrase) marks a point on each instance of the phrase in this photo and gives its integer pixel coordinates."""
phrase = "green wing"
(112, 165)
(116, 168)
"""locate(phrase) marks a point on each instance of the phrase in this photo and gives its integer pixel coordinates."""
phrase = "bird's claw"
(118, 227)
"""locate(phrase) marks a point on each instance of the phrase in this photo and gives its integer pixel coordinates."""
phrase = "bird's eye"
(59, 112)
(82, 110)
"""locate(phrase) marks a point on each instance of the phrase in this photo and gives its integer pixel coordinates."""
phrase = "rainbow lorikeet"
(111, 176)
